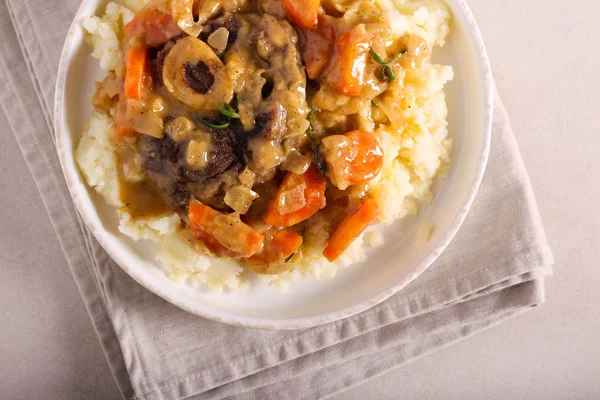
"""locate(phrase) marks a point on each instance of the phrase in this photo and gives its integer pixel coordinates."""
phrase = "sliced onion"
(292, 200)
(247, 177)
(393, 112)
(183, 13)
(296, 162)
(112, 85)
(142, 120)
(240, 198)
(219, 38)
(198, 152)
(150, 125)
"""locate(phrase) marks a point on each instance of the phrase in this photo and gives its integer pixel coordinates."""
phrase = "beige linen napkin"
(493, 270)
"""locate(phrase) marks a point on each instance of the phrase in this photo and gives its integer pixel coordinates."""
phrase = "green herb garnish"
(380, 60)
(320, 162)
(287, 260)
(387, 73)
(228, 111)
(210, 124)
(309, 131)
(377, 57)
(374, 104)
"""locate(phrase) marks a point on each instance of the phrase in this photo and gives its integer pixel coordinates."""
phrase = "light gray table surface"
(546, 60)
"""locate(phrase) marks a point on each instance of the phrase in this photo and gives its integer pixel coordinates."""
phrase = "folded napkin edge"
(531, 295)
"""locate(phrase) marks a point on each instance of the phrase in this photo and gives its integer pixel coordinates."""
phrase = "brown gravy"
(142, 200)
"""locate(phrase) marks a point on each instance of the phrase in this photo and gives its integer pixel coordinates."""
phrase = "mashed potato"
(414, 155)
(97, 160)
(148, 228)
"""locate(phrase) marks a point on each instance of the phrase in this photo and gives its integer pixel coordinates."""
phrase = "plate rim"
(62, 130)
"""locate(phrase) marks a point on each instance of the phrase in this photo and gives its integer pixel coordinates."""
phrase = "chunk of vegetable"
(180, 128)
(240, 198)
(218, 39)
(303, 13)
(124, 131)
(415, 51)
(183, 10)
(350, 61)
(279, 246)
(290, 205)
(351, 228)
(122, 123)
(319, 47)
(137, 74)
(213, 244)
(224, 234)
(156, 26)
(191, 15)
(352, 158)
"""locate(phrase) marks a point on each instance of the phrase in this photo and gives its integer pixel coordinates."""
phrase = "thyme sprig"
(228, 111)
(387, 73)
(212, 125)
(309, 131)
(319, 161)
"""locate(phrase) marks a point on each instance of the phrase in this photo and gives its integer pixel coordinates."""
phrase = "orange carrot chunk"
(350, 61)
(298, 198)
(223, 234)
(122, 123)
(124, 131)
(319, 47)
(156, 26)
(303, 13)
(369, 158)
(352, 158)
(351, 228)
(278, 247)
(137, 73)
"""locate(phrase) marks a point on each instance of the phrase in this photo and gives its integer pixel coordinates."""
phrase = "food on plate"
(272, 137)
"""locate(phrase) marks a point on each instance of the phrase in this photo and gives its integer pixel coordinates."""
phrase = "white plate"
(311, 302)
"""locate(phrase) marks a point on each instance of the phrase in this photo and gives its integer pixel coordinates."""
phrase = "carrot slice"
(298, 198)
(137, 74)
(278, 247)
(303, 13)
(369, 158)
(351, 228)
(213, 244)
(319, 47)
(224, 234)
(351, 61)
(122, 124)
(124, 131)
(156, 26)
(352, 158)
